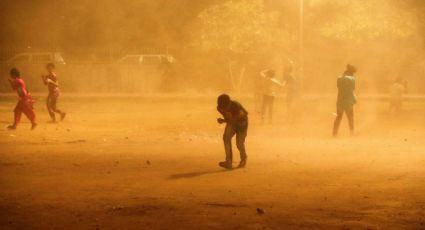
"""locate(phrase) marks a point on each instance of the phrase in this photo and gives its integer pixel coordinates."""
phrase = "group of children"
(233, 113)
(236, 117)
(26, 102)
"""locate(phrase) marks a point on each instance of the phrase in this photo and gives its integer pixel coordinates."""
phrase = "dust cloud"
(139, 81)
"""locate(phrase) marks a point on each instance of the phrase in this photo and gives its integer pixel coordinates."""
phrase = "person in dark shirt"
(236, 118)
(25, 103)
(52, 83)
(346, 99)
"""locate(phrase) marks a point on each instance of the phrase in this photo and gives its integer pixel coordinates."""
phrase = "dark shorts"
(241, 126)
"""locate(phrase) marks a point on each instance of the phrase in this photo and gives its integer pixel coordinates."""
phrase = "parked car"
(142, 72)
(32, 66)
(146, 59)
(36, 58)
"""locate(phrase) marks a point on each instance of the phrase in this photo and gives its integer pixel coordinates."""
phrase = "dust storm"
(120, 114)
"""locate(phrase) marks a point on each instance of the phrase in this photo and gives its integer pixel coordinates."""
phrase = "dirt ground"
(151, 163)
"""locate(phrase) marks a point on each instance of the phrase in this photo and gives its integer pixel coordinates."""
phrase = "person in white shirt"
(269, 87)
(396, 96)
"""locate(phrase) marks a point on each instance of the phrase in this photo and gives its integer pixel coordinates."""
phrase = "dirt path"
(153, 165)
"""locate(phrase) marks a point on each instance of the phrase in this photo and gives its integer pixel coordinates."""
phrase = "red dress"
(25, 103)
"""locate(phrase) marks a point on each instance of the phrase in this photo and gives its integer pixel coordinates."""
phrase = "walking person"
(52, 83)
(346, 99)
(269, 85)
(25, 102)
(397, 91)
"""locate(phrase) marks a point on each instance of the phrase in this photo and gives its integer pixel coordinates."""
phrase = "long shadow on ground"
(195, 174)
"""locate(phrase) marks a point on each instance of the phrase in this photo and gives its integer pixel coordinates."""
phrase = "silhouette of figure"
(346, 99)
(236, 118)
(25, 102)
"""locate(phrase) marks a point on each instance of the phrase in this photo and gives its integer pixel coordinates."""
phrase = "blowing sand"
(151, 163)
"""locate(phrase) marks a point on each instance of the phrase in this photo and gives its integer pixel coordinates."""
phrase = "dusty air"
(212, 114)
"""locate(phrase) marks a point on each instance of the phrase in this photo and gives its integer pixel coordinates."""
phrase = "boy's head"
(50, 67)
(14, 73)
(223, 101)
(350, 70)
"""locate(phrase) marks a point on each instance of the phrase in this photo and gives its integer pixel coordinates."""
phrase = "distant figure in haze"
(236, 119)
(290, 85)
(346, 99)
(269, 86)
(397, 90)
(51, 81)
(165, 68)
(25, 103)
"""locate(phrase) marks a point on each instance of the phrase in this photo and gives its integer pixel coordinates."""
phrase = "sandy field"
(148, 162)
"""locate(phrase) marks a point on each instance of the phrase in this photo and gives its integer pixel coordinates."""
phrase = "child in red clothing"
(25, 103)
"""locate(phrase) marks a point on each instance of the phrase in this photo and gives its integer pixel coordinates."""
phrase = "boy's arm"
(12, 83)
(44, 78)
(55, 83)
(221, 120)
(278, 83)
(263, 73)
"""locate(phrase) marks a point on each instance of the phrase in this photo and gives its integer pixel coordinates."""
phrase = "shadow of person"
(195, 174)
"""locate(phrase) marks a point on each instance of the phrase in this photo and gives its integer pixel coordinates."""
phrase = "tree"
(365, 19)
(237, 29)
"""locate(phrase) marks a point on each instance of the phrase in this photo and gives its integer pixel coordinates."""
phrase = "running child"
(25, 102)
(51, 81)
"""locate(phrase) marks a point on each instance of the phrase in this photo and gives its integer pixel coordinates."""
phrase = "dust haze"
(139, 81)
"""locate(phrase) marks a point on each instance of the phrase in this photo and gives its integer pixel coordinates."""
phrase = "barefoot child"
(51, 81)
(236, 119)
(25, 103)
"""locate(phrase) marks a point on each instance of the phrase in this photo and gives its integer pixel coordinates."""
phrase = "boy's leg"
(55, 109)
(49, 108)
(240, 143)
(53, 104)
(227, 139)
(350, 116)
(337, 121)
(28, 110)
(17, 115)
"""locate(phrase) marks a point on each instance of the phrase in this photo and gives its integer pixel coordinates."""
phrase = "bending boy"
(236, 119)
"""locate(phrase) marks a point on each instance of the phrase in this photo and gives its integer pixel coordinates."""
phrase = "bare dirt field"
(151, 163)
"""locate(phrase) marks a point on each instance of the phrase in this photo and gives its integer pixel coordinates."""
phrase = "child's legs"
(240, 143)
(29, 112)
(53, 102)
(337, 122)
(49, 106)
(17, 113)
(227, 139)
(350, 116)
